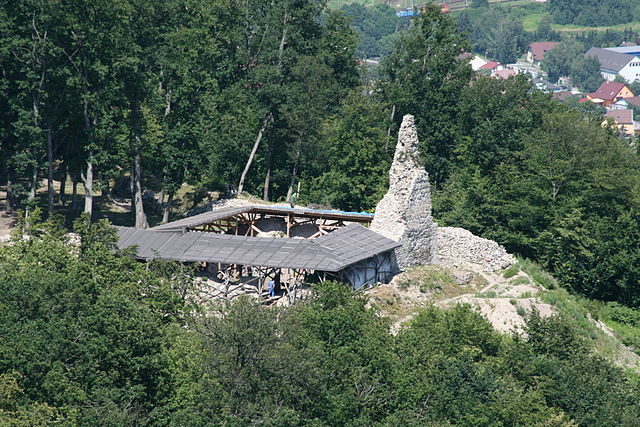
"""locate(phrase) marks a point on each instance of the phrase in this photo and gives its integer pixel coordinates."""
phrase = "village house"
(531, 70)
(623, 120)
(609, 92)
(504, 74)
(626, 103)
(491, 67)
(614, 62)
(537, 50)
(477, 62)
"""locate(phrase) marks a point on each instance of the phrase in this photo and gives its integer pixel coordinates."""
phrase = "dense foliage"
(549, 182)
(497, 33)
(594, 13)
(165, 92)
(91, 337)
(568, 60)
(378, 27)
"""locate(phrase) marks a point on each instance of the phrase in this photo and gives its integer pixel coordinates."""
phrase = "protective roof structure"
(222, 213)
(332, 252)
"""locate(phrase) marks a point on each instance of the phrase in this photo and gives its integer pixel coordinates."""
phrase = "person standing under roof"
(272, 288)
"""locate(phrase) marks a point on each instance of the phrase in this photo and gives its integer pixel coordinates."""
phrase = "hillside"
(514, 218)
(505, 298)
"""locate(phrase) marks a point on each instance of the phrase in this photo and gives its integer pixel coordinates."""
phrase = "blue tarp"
(407, 13)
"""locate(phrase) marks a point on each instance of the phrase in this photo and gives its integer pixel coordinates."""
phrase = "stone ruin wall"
(404, 215)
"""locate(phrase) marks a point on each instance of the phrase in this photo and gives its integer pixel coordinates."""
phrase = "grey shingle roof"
(332, 252)
(610, 60)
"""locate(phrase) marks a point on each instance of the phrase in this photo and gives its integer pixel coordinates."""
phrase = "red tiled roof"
(505, 74)
(490, 65)
(608, 91)
(562, 96)
(540, 48)
(620, 116)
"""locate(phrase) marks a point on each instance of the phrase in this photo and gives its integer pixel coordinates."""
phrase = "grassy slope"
(612, 331)
(608, 337)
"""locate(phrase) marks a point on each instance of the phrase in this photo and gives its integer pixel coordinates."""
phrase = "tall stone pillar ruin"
(404, 213)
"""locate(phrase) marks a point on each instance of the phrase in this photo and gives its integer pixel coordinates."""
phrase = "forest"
(97, 338)
(103, 98)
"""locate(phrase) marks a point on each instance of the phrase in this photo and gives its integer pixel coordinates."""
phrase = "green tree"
(558, 62)
(585, 73)
(351, 173)
(544, 32)
(85, 326)
(421, 77)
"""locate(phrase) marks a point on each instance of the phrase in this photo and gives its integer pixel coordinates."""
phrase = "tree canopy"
(92, 337)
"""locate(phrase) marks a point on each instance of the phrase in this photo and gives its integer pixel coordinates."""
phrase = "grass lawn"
(631, 25)
(337, 4)
(530, 22)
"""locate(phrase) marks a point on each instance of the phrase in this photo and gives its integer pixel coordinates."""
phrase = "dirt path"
(7, 221)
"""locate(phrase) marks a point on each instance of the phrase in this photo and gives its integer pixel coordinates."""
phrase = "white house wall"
(630, 72)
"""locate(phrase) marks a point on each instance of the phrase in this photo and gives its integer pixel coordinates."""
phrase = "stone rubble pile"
(460, 244)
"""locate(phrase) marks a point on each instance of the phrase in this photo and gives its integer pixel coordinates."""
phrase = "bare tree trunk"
(294, 175)
(265, 122)
(393, 114)
(74, 195)
(269, 116)
(106, 189)
(294, 172)
(87, 182)
(141, 217)
(132, 185)
(10, 207)
(87, 179)
(283, 39)
(166, 208)
(63, 186)
(33, 182)
(34, 169)
(267, 175)
(50, 190)
(32, 193)
(157, 209)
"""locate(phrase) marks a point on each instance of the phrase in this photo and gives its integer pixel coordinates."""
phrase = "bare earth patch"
(7, 221)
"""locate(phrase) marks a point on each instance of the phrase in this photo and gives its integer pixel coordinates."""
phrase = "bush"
(621, 314)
